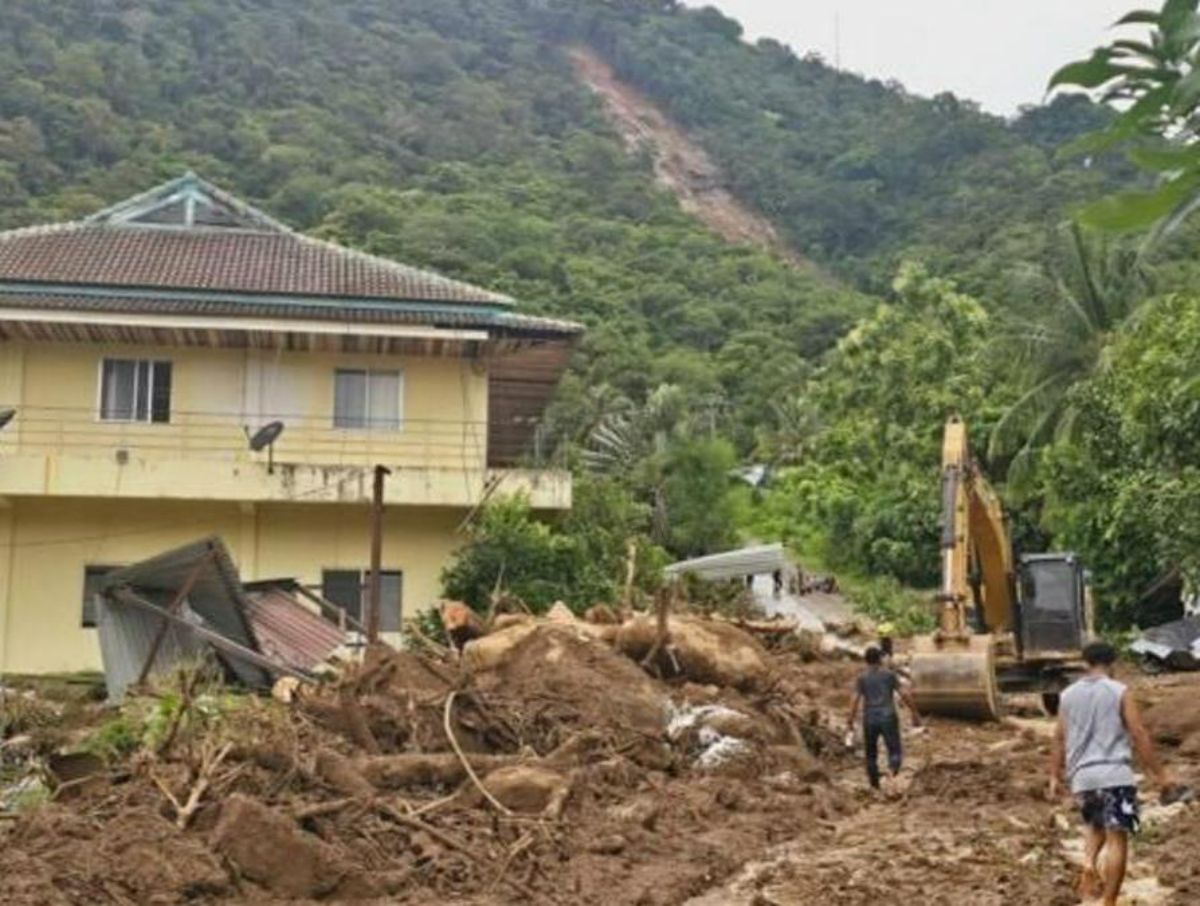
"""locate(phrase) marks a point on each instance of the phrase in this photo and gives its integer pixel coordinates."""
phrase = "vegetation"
(581, 561)
(1155, 84)
(453, 134)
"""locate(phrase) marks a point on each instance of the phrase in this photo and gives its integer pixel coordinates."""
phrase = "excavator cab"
(1052, 615)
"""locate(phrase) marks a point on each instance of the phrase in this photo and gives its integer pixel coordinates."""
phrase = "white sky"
(997, 52)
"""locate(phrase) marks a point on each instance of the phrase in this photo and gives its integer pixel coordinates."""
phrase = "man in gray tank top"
(1099, 729)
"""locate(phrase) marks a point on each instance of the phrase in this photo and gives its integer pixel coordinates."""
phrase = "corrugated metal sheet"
(126, 636)
(216, 599)
(289, 631)
(749, 561)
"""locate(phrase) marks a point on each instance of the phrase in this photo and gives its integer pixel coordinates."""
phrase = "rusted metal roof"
(189, 603)
(289, 631)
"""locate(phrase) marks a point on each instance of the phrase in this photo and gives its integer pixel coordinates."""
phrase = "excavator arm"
(954, 670)
(977, 554)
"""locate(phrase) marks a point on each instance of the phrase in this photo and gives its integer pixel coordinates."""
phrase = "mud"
(601, 805)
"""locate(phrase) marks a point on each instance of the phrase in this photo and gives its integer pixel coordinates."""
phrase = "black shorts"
(1114, 808)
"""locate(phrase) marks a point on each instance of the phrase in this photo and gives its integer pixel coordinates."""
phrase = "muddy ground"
(317, 801)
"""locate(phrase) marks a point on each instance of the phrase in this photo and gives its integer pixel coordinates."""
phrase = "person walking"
(875, 692)
(1099, 729)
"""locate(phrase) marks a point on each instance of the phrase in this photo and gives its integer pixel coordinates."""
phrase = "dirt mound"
(556, 684)
(1175, 718)
(549, 776)
(59, 856)
(269, 850)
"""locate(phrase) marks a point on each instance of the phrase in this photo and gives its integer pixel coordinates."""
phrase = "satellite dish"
(265, 436)
(6, 416)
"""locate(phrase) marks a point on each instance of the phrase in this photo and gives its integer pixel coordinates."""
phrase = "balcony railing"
(306, 439)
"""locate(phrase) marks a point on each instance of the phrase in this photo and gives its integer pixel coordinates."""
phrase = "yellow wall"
(216, 393)
(53, 539)
(76, 491)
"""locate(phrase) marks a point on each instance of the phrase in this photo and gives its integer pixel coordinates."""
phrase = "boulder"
(268, 849)
(701, 651)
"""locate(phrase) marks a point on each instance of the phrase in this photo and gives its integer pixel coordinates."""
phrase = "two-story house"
(142, 350)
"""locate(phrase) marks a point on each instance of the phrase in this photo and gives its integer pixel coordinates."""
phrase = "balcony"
(70, 452)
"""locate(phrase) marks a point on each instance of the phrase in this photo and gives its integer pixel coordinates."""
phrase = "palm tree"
(631, 444)
(1093, 289)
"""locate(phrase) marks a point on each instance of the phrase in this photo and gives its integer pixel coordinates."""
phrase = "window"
(91, 584)
(348, 589)
(365, 399)
(135, 390)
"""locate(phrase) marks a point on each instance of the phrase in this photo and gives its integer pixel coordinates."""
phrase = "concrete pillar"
(8, 553)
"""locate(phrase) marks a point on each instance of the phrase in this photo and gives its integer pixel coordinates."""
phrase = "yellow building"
(143, 348)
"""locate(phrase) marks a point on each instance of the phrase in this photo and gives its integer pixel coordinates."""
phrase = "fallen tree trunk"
(393, 772)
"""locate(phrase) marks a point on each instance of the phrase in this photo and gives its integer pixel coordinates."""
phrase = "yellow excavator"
(1005, 624)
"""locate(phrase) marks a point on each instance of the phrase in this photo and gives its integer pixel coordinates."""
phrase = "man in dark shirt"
(875, 692)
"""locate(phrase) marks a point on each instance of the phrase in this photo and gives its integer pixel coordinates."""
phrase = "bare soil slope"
(680, 164)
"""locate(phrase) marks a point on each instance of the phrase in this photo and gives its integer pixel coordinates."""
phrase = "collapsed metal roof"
(188, 604)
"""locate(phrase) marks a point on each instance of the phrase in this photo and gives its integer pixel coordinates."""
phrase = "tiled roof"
(189, 235)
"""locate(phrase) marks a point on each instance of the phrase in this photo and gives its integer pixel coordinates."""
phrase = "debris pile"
(545, 756)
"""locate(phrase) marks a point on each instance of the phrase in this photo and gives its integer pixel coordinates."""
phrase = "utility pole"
(375, 591)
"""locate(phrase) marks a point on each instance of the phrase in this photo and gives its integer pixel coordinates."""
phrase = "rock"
(702, 651)
(285, 689)
(602, 615)
(1175, 719)
(643, 812)
(269, 849)
(608, 845)
(529, 790)
(461, 623)
(560, 613)
(491, 651)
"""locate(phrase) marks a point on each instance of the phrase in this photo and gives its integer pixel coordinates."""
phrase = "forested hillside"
(455, 134)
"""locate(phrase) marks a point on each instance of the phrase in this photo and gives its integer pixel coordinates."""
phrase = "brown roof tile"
(226, 246)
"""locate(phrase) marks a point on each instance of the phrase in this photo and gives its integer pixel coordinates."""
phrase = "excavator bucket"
(956, 678)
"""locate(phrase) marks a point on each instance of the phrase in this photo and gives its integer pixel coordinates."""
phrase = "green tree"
(1089, 291)
(1126, 491)
(579, 559)
(864, 496)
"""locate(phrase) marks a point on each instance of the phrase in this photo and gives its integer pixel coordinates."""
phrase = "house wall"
(46, 543)
(218, 393)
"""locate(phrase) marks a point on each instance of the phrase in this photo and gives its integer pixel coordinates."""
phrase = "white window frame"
(149, 419)
(367, 373)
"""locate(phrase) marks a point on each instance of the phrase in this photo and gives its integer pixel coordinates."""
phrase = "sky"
(999, 53)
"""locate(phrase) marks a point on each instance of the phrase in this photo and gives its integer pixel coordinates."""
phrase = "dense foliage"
(453, 134)
(864, 496)
(581, 561)
(1154, 82)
